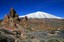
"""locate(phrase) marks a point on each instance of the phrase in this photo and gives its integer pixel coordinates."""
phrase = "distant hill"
(40, 15)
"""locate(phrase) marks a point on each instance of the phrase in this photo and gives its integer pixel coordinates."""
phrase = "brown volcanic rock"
(5, 21)
(11, 20)
(12, 12)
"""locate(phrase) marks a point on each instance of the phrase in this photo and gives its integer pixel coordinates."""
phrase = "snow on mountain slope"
(40, 15)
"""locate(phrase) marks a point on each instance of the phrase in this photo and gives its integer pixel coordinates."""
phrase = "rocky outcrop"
(12, 28)
(11, 20)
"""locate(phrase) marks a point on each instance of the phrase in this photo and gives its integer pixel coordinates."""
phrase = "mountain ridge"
(40, 14)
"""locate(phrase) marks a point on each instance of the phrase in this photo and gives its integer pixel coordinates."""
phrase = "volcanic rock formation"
(11, 20)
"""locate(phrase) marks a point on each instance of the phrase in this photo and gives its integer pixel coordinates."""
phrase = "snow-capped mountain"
(39, 14)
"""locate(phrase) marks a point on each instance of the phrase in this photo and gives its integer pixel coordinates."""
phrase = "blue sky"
(22, 7)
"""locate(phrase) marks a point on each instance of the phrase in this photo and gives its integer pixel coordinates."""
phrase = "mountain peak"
(40, 14)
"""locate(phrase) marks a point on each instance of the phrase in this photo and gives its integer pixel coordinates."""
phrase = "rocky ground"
(37, 36)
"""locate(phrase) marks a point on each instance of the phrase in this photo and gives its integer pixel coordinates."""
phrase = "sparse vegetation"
(54, 40)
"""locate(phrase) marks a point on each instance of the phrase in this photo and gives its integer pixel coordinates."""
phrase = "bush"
(53, 40)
